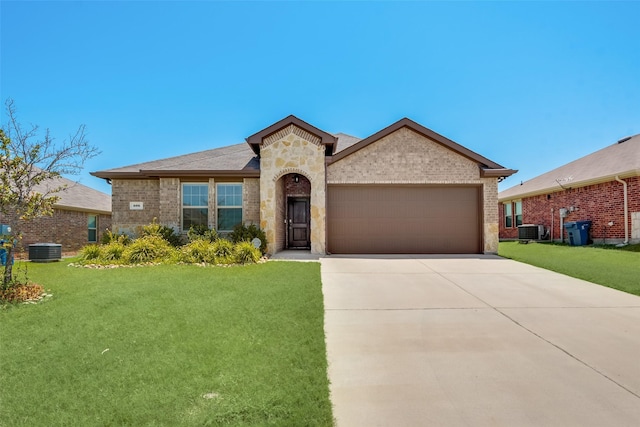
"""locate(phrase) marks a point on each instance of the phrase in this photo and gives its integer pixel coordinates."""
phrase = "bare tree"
(29, 170)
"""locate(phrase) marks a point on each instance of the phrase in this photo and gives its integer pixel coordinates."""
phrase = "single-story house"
(404, 189)
(79, 217)
(602, 187)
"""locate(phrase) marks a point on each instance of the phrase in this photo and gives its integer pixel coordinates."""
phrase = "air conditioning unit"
(530, 232)
(45, 252)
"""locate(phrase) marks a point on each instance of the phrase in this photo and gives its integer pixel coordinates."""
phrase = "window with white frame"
(195, 205)
(508, 215)
(512, 214)
(518, 210)
(229, 205)
(92, 227)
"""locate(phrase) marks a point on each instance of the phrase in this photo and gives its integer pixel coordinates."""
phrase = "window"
(508, 215)
(93, 228)
(518, 209)
(509, 210)
(195, 205)
(229, 198)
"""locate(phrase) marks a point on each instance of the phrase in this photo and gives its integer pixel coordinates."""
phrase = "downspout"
(551, 232)
(626, 210)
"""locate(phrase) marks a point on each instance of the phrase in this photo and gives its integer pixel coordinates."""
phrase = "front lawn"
(618, 269)
(168, 345)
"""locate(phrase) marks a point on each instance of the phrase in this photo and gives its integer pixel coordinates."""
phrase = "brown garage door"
(394, 219)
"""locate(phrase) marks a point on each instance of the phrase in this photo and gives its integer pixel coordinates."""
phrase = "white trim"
(218, 207)
(182, 207)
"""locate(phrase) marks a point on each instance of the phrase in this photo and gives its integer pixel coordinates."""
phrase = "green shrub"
(167, 233)
(201, 232)
(244, 233)
(199, 250)
(246, 253)
(109, 236)
(90, 253)
(223, 251)
(112, 252)
(150, 248)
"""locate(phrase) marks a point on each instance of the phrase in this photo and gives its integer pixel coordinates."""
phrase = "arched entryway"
(296, 211)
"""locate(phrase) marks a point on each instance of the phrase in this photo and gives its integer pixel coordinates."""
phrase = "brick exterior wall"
(125, 191)
(403, 157)
(406, 157)
(600, 203)
(67, 228)
(251, 201)
(169, 203)
(162, 199)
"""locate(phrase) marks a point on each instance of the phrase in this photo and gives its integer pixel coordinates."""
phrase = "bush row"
(159, 243)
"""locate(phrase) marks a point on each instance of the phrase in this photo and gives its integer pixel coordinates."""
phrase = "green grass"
(618, 269)
(142, 346)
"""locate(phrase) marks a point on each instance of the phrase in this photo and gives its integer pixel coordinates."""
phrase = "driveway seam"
(569, 354)
(543, 338)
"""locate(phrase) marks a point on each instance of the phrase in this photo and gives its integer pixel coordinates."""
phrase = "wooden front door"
(298, 222)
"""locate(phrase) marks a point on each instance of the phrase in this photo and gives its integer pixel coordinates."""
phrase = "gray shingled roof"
(620, 159)
(345, 141)
(77, 196)
(232, 158)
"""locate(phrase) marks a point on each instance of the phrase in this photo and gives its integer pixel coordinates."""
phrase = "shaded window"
(518, 209)
(92, 228)
(195, 205)
(229, 204)
(508, 215)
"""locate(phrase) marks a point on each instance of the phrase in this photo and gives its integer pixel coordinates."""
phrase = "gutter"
(626, 210)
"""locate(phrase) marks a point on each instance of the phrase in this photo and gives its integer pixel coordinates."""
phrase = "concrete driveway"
(477, 341)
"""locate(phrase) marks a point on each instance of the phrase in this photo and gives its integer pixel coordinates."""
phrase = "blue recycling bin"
(578, 232)
(3, 257)
(3, 253)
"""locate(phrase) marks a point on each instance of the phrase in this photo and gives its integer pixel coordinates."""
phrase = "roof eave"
(496, 173)
(81, 209)
(153, 173)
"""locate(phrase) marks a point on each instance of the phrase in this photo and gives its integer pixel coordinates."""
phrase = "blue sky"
(530, 85)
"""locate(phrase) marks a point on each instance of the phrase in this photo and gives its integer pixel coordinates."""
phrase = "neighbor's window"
(195, 205)
(229, 198)
(518, 209)
(93, 228)
(508, 215)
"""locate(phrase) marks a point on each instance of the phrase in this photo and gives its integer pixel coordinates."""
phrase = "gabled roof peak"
(326, 138)
(489, 168)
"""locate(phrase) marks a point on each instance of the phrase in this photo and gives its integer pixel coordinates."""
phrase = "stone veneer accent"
(291, 150)
(407, 157)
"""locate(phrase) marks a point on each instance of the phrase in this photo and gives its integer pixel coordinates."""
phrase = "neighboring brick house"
(603, 187)
(405, 189)
(79, 218)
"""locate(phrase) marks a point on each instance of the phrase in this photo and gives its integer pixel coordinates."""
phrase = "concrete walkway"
(477, 341)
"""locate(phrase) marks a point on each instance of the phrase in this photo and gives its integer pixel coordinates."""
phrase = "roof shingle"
(620, 159)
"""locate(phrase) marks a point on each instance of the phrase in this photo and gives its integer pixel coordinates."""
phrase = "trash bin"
(578, 232)
(3, 254)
